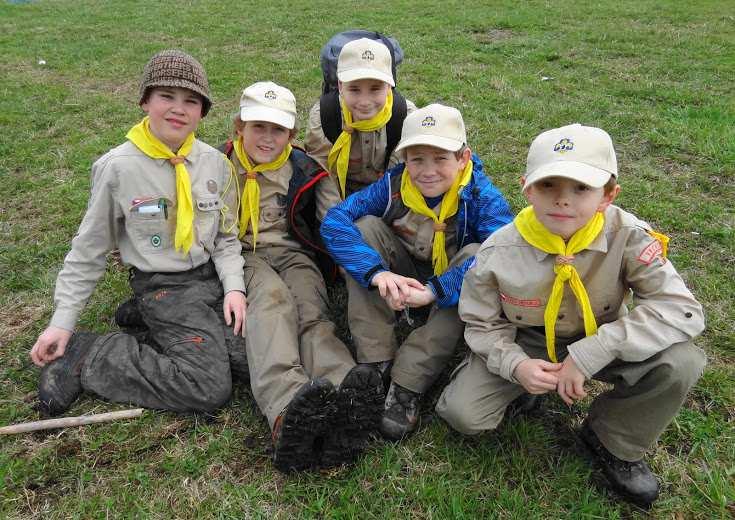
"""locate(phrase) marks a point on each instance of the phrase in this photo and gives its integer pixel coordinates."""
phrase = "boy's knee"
(683, 364)
(371, 227)
(216, 393)
(460, 416)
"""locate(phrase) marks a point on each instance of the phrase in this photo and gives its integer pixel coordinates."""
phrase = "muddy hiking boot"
(298, 433)
(401, 412)
(634, 481)
(60, 384)
(383, 368)
(128, 316)
(359, 406)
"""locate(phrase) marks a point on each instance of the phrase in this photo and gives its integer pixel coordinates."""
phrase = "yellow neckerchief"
(536, 234)
(415, 201)
(250, 202)
(340, 152)
(142, 137)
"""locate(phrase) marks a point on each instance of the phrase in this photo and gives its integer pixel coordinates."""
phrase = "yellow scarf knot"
(142, 137)
(536, 234)
(414, 200)
(339, 155)
(250, 201)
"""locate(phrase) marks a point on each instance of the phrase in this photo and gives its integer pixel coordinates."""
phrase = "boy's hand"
(235, 303)
(394, 288)
(50, 345)
(571, 382)
(537, 375)
(420, 297)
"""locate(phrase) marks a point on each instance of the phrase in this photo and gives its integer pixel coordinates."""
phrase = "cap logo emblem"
(270, 95)
(368, 55)
(428, 121)
(564, 145)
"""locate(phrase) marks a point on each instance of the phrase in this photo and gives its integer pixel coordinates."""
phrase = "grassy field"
(658, 75)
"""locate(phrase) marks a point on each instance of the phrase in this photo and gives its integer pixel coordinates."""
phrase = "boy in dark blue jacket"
(412, 235)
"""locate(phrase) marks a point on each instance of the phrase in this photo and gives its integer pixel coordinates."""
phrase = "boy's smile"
(174, 113)
(264, 141)
(364, 98)
(434, 170)
(564, 205)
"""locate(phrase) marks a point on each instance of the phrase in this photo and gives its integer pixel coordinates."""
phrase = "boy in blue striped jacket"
(412, 235)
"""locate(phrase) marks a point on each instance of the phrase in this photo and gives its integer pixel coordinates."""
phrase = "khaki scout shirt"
(508, 287)
(367, 155)
(273, 220)
(416, 233)
(133, 207)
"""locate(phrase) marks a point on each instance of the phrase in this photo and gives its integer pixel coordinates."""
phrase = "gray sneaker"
(401, 412)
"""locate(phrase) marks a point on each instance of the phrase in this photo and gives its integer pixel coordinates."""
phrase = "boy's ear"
(465, 157)
(339, 86)
(609, 198)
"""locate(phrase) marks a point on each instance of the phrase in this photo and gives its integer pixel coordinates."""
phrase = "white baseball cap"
(365, 59)
(434, 125)
(267, 101)
(581, 153)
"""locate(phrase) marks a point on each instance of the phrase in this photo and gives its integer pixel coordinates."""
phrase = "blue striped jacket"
(482, 210)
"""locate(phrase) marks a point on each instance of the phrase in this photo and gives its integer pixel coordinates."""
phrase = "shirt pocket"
(149, 226)
(606, 305)
(207, 209)
(528, 312)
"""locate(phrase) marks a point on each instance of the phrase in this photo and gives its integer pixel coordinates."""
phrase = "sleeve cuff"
(65, 319)
(510, 362)
(590, 355)
(233, 282)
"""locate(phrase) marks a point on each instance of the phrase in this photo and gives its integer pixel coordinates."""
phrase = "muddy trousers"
(183, 365)
(425, 352)
(290, 338)
(628, 419)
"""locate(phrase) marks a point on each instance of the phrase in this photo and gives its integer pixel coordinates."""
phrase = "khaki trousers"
(628, 419)
(426, 351)
(290, 339)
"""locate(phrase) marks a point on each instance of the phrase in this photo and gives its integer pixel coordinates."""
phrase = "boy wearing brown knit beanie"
(167, 201)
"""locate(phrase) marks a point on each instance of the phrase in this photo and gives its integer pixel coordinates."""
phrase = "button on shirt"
(509, 285)
(132, 207)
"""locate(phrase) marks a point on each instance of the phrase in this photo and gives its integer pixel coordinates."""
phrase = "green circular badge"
(156, 241)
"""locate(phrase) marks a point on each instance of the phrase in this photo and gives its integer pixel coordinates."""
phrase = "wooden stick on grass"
(64, 422)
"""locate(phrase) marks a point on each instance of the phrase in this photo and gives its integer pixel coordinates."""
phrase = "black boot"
(633, 480)
(359, 405)
(128, 316)
(60, 383)
(298, 433)
(401, 413)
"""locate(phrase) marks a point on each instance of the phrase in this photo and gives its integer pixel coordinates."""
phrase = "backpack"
(330, 111)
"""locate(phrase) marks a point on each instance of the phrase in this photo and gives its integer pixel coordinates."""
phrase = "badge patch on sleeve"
(651, 252)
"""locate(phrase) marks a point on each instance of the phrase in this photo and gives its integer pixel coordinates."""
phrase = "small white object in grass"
(695, 232)
(42, 62)
(546, 78)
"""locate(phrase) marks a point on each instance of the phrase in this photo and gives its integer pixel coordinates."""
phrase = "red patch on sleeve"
(520, 303)
(651, 252)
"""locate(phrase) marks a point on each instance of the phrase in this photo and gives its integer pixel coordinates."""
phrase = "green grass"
(656, 75)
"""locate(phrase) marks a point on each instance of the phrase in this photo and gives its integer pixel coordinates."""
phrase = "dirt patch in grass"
(17, 315)
(493, 35)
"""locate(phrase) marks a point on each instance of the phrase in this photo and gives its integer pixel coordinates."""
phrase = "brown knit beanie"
(174, 68)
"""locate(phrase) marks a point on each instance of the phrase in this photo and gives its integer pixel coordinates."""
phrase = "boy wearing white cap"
(294, 357)
(368, 113)
(412, 235)
(545, 311)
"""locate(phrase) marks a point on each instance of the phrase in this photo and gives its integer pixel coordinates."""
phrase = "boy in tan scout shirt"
(167, 201)
(545, 311)
(412, 235)
(358, 157)
(294, 356)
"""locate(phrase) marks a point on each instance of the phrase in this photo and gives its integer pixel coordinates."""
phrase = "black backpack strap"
(395, 125)
(226, 148)
(331, 115)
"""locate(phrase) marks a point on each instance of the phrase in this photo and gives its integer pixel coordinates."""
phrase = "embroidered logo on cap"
(428, 121)
(368, 55)
(564, 145)
(270, 95)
